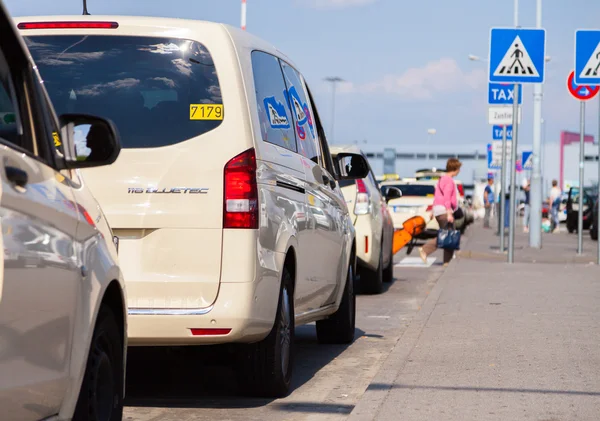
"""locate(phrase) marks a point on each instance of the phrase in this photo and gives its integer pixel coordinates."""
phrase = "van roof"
(151, 26)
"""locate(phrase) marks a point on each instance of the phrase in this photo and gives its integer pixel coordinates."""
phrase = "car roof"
(345, 148)
(153, 26)
(411, 182)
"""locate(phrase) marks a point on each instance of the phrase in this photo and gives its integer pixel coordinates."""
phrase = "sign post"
(517, 55)
(503, 192)
(582, 93)
(587, 66)
(581, 187)
(500, 97)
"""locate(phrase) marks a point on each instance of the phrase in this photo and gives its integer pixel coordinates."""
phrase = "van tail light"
(240, 196)
(362, 205)
(68, 25)
(461, 190)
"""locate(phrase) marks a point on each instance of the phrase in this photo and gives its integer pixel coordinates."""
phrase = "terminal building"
(560, 160)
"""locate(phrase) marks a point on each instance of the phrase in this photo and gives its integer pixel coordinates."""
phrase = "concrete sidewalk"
(496, 342)
(484, 244)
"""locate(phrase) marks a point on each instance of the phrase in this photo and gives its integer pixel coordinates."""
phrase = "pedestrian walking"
(488, 201)
(526, 207)
(554, 204)
(445, 204)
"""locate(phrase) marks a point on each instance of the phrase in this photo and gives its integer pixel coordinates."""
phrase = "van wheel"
(101, 395)
(339, 327)
(388, 272)
(265, 368)
(371, 282)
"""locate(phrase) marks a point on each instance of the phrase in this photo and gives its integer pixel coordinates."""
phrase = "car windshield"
(423, 190)
(148, 86)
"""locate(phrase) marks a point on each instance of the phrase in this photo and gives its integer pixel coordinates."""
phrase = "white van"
(231, 224)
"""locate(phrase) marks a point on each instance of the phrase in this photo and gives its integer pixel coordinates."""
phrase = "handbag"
(448, 238)
(458, 213)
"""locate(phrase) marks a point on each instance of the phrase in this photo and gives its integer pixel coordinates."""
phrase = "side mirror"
(90, 141)
(351, 166)
(392, 193)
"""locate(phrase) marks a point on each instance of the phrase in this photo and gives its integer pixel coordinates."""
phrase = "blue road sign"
(517, 55)
(497, 132)
(490, 158)
(527, 160)
(587, 57)
(500, 94)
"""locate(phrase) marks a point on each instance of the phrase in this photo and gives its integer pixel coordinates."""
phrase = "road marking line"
(415, 262)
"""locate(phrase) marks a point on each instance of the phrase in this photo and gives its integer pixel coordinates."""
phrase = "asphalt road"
(198, 383)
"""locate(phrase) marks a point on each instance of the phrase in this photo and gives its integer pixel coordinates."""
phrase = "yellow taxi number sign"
(56, 139)
(206, 112)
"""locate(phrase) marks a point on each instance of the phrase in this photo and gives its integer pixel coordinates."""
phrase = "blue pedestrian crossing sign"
(517, 55)
(502, 94)
(587, 57)
(497, 132)
(527, 160)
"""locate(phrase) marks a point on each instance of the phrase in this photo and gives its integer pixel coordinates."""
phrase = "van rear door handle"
(17, 176)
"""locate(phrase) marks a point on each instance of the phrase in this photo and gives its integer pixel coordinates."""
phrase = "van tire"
(262, 371)
(101, 394)
(339, 327)
(371, 281)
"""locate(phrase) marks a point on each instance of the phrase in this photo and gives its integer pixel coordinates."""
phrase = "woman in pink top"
(445, 203)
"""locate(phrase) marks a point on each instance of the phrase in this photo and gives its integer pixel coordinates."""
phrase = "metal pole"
(243, 15)
(597, 225)
(333, 110)
(85, 11)
(542, 159)
(535, 194)
(502, 212)
(581, 191)
(513, 175)
(515, 132)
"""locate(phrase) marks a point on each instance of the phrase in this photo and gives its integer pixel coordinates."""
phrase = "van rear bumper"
(248, 309)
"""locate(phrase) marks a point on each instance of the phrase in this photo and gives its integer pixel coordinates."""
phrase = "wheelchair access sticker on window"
(206, 111)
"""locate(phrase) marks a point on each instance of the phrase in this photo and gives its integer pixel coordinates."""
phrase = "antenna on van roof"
(85, 12)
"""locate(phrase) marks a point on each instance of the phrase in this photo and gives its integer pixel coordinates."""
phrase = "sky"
(405, 63)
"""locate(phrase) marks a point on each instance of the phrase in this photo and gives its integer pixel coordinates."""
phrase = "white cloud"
(100, 88)
(442, 76)
(333, 4)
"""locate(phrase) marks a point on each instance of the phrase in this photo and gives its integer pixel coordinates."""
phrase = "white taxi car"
(373, 224)
(417, 200)
(231, 224)
(63, 317)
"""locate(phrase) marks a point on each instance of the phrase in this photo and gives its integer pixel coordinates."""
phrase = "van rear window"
(422, 190)
(158, 91)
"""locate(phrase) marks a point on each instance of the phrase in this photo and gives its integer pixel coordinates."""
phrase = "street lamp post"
(535, 195)
(333, 80)
(430, 132)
